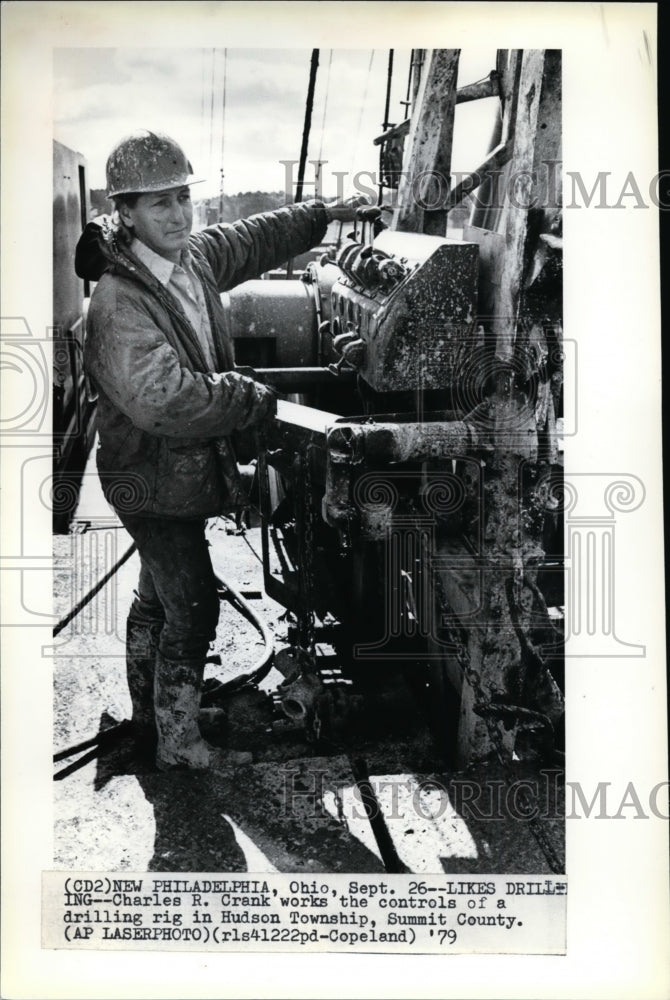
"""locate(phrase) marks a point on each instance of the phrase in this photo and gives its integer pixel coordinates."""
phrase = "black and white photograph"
(347, 633)
(327, 516)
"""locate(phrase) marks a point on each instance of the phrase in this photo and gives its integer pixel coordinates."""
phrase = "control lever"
(352, 349)
(354, 352)
(368, 215)
(340, 366)
(342, 339)
(340, 342)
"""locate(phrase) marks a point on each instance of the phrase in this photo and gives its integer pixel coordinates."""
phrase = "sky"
(102, 94)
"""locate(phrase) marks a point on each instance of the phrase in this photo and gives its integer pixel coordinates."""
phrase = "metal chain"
(306, 621)
(308, 588)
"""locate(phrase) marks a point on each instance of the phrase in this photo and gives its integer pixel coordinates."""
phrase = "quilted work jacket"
(164, 418)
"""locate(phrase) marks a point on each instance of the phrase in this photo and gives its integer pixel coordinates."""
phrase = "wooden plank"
(491, 165)
(473, 92)
(523, 119)
(548, 139)
(418, 64)
(428, 150)
(478, 91)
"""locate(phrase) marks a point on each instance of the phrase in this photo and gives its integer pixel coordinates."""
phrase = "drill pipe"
(351, 445)
(404, 442)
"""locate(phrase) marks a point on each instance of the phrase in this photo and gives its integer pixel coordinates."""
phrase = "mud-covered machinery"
(408, 485)
(403, 309)
(363, 447)
(73, 413)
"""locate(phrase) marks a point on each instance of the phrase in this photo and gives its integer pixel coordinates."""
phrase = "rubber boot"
(177, 685)
(141, 648)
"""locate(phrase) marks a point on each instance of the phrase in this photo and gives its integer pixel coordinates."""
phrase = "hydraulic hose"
(263, 665)
(88, 597)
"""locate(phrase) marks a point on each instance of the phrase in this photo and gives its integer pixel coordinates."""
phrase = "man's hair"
(123, 234)
(125, 200)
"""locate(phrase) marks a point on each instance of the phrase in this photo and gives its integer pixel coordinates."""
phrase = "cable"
(385, 126)
(244, 536)
(223, 130)
(309, 103)
(263, 665)
(96, 527)
(87, 598)
(211, 115)
(323, 123)
(389, 84)
(203, 87)
(360, 115)
(223, 102)
(407, 101)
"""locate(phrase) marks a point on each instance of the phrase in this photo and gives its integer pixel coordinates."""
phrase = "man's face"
(162, 220)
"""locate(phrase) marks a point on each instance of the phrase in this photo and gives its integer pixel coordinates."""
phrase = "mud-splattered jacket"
(163, 418)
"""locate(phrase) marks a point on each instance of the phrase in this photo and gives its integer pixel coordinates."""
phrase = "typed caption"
(492, 914)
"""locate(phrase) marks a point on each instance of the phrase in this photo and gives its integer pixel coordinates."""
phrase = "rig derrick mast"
(411, 482)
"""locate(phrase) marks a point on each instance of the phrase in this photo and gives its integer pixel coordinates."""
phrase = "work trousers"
(177, 587)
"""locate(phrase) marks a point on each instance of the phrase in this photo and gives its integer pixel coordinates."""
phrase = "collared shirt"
(182, 281)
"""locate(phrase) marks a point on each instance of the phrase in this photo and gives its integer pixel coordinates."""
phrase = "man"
(159, 359)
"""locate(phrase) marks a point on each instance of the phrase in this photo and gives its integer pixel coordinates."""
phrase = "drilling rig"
(411, 483)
